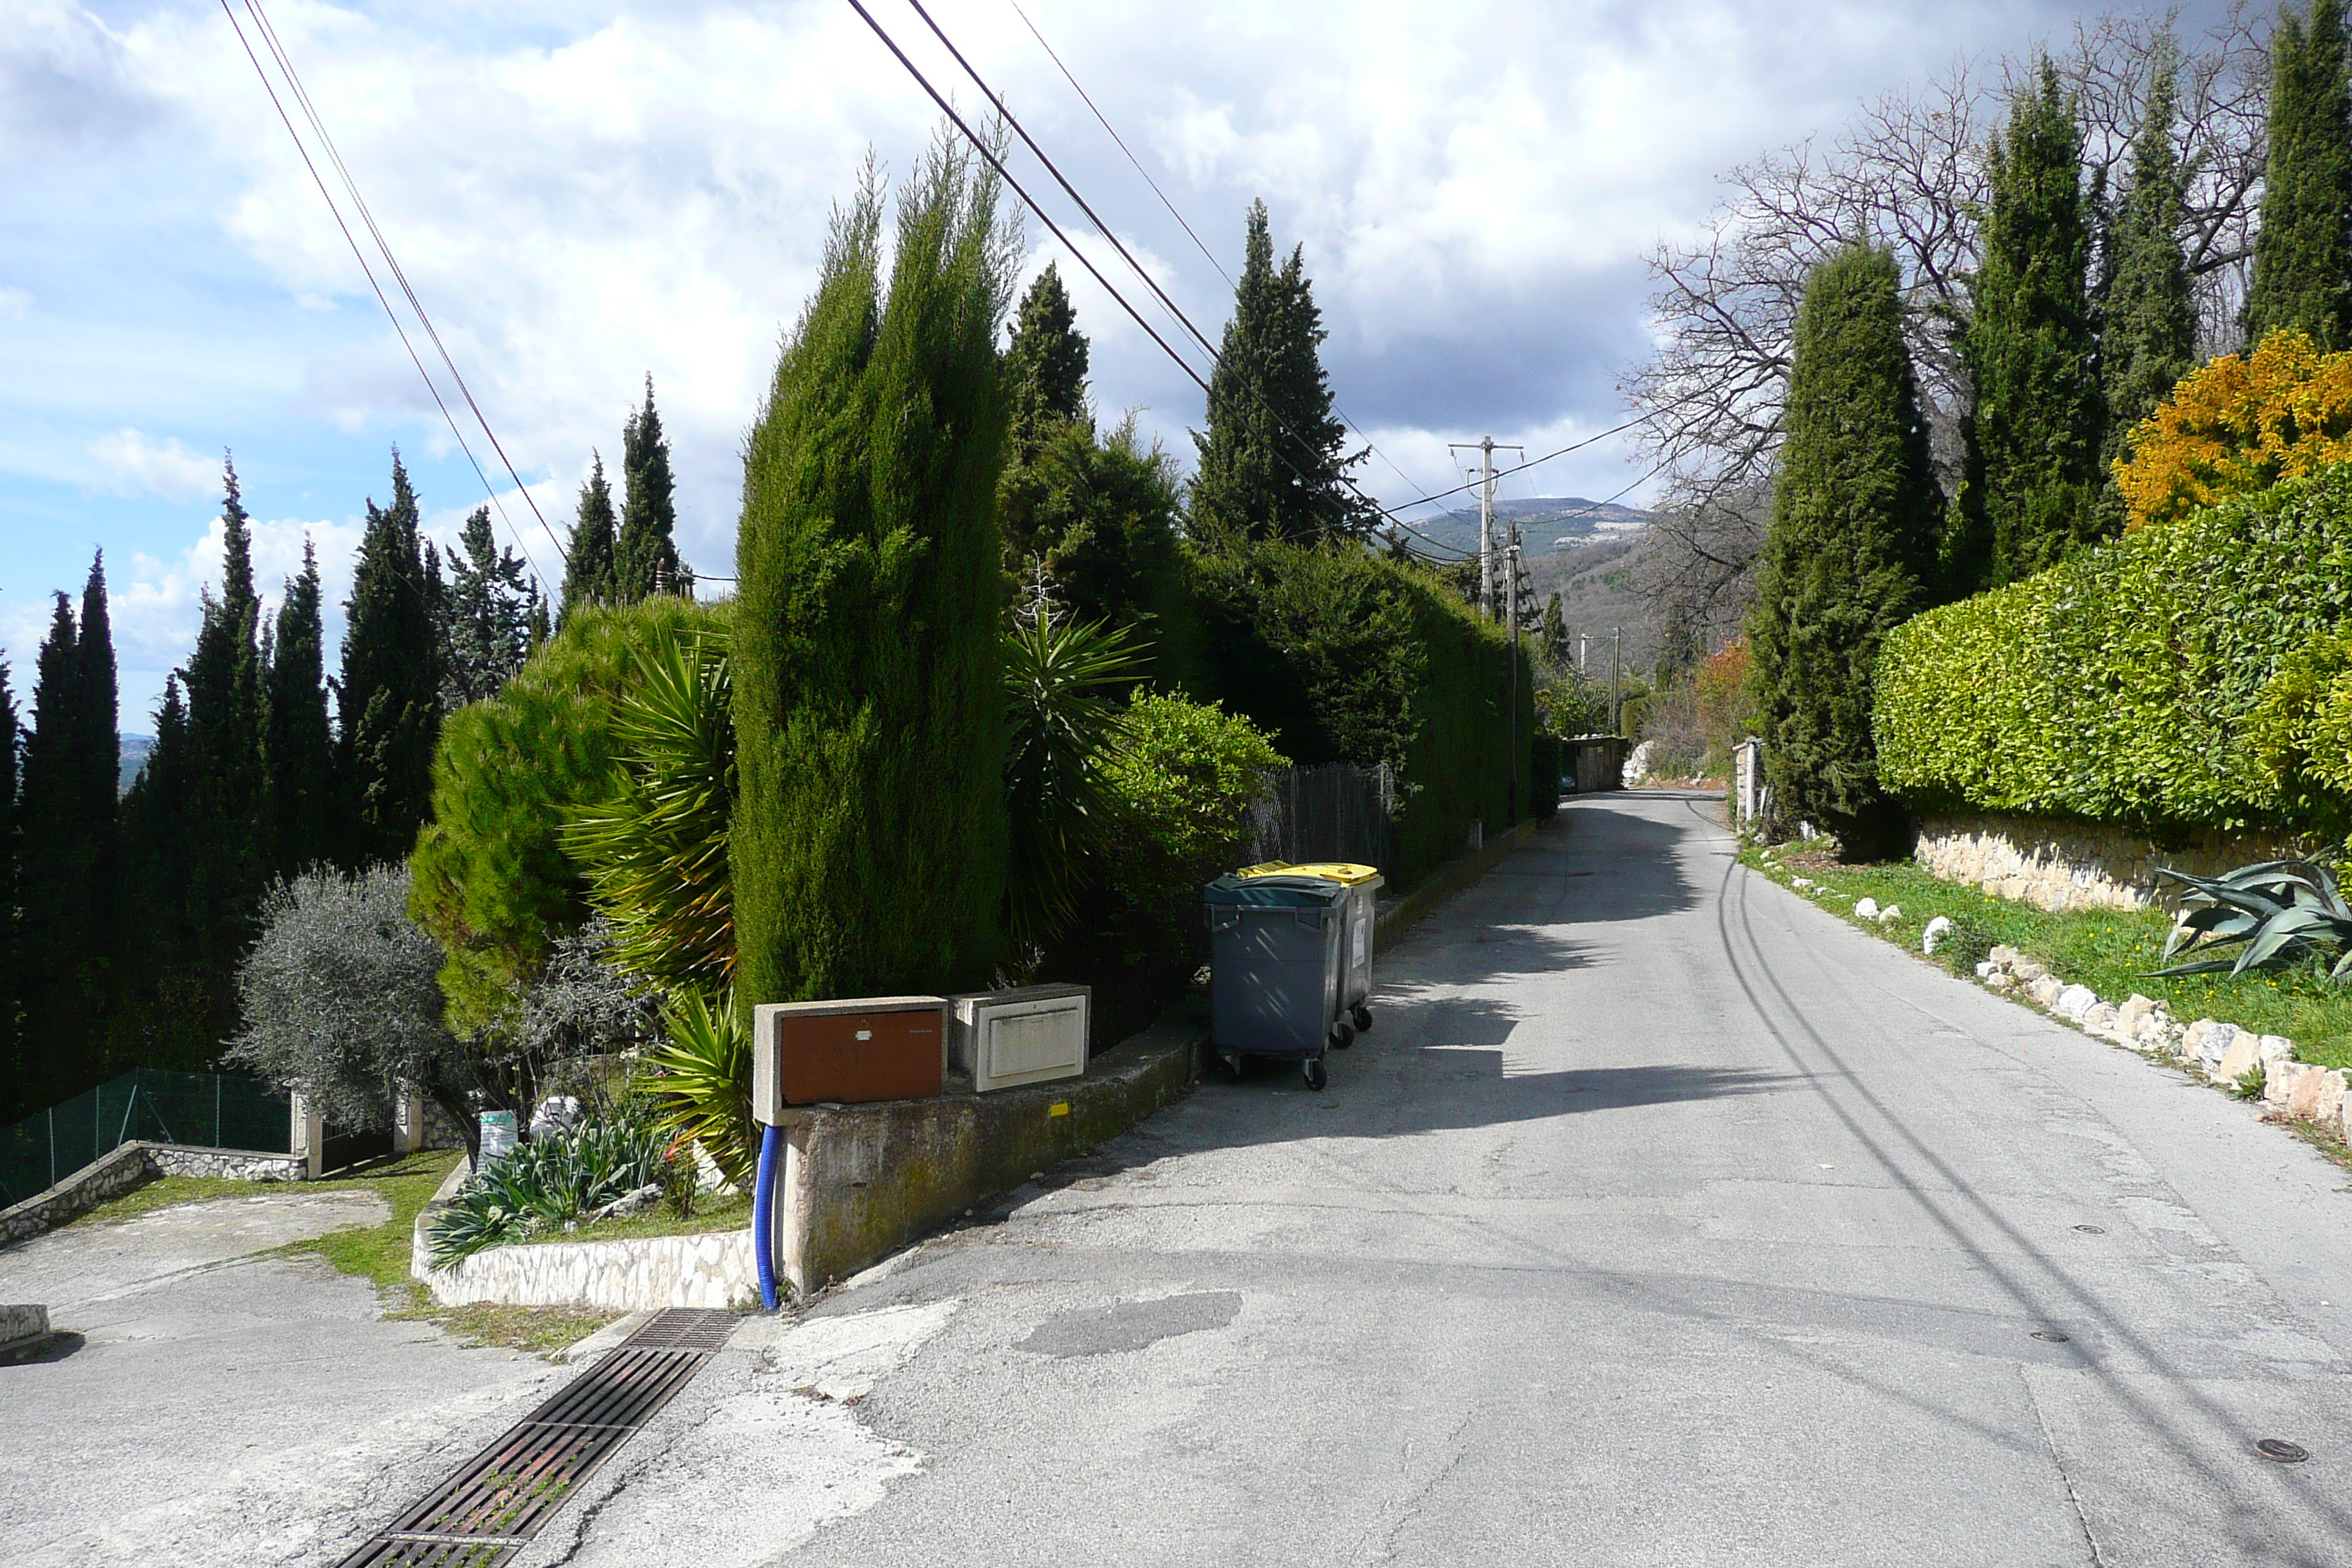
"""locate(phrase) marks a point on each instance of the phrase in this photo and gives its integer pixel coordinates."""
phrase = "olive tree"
(340, 1000)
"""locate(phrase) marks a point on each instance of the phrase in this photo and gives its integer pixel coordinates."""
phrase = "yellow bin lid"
(1330, 870)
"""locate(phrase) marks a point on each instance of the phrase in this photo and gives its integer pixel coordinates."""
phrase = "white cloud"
(16, 304)
(138, 464)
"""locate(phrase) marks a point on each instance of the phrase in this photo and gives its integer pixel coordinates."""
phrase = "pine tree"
(2149, 341)
(1850, 541)
(869, 838)
(589, 576)
(298, 744)
(390, 695)
(645, 558)
(486, 629)
(2030, 350)
(1045, 365)
(2303, 251)
(1270, 464)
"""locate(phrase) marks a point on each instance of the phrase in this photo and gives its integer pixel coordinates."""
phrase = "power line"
(1103, 228)
(294, 83)
(997, 100)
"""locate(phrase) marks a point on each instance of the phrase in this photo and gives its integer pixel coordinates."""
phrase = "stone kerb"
(640, 1275)
(2061, 865)
(129, 1164)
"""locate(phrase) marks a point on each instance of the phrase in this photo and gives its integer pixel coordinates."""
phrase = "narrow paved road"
(1662, 1219)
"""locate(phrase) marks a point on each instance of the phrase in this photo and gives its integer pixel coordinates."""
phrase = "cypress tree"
(1045, 365)
(870, 840)
(644, 559)
(1850, 541)
(2030, 350)
(174, 1016)
(1270, 464)
(230, 865)
(486, 629)
(2303, 251)
(390, 695)
(2149, 342)
(14, 1077)
(298, 744)
(68, 822)
(1554, 639)
(589, 568)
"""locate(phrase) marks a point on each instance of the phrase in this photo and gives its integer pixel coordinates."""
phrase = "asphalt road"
(1662, 1219)
(223, 1410)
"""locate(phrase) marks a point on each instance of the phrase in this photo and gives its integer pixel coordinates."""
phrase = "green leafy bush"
(2129, 684)
(1182, 780)
(2302, 731)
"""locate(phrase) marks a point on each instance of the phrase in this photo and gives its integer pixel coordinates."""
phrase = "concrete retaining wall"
(129, 1164)
(862, 1181)
(641, 1275)
(2067, 864)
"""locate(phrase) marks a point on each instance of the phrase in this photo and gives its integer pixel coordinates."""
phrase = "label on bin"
(1363, 943)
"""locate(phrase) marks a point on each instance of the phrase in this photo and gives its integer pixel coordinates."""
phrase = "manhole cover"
(2050, 1336)
(2092, 1229)
(2283, 1451)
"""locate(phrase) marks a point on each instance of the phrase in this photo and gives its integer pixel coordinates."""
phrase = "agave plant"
(704, 1088)
(655, 854)
(555, 1177)
(2275, 913)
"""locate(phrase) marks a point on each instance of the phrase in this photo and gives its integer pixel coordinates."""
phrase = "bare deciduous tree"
(1907, 173)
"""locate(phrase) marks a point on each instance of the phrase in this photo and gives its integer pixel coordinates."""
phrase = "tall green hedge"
(1346, 655)
(2122, 685)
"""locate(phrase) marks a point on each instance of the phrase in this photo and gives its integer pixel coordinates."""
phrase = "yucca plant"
(2275, 913)
(1061, 681)
(703, 1083)
(655, 854)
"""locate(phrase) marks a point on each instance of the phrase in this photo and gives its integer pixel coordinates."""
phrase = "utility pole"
(1616, 686)
(1511, 599)
(1486, 447)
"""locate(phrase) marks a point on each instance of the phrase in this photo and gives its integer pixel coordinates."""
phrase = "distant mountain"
(130, 760)
(1546, 523)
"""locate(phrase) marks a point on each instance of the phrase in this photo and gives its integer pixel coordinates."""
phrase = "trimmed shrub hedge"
(2123, 686)
(1344, 655)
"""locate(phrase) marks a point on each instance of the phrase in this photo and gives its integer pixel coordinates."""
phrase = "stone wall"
(125, 1167)
(2069, 865)
(715, 1270)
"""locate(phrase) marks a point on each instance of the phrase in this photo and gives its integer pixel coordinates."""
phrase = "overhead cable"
(294, 83)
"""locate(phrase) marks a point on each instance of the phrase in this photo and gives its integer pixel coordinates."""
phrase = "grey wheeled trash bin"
(1363, 883)
(1276, 964)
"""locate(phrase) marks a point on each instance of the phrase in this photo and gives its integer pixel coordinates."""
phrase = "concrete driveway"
(1662, 1219)
(224, 1409)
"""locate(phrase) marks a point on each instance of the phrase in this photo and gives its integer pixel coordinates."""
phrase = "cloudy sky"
(582, 194)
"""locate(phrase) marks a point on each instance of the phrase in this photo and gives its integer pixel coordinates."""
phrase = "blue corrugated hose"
(763, 1212)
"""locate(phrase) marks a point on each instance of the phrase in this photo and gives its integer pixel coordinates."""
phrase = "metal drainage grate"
(503, 1497)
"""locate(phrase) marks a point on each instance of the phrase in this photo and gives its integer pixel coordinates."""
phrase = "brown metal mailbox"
(859, 1048)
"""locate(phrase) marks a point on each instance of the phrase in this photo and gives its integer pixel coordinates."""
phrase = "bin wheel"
(1364, 1016)
(1312, 1069)
(1229, 1067)
(1343, 1035)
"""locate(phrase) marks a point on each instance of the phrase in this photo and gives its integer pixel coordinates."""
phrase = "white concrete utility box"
(1028, 1033)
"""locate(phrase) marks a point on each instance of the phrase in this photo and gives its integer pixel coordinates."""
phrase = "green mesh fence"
(211, 1110)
